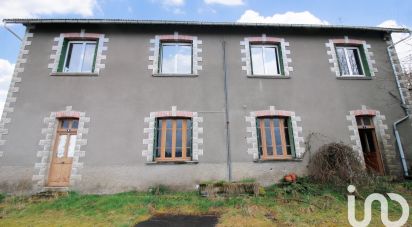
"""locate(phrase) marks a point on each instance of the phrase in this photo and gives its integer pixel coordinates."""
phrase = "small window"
(173, 140)
(275, 138)
(176, 58)
(349, 59)
(80, 56)
(265, 59)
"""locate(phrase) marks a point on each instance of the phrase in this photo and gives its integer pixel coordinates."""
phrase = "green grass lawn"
(300, 204)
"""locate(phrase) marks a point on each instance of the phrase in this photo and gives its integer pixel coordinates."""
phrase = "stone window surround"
(252, 139)
(16, 79)
(382, 135)
(58, 45)
(155, 52)
(45, 153)
(246, 58)
(333, 60)
(197, 132)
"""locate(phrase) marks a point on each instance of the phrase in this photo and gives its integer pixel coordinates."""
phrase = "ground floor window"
(173, 139)
(275, 137)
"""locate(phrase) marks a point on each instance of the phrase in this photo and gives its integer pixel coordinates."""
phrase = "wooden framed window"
(265, 59)
(275, 138)
(173, 139)
(176, 58)
(78, 56)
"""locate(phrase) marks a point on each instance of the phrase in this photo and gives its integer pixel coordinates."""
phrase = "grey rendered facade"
(117, 105)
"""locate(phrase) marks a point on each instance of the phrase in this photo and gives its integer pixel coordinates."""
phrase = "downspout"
(12, 32)
(228, 158)
(404, 107)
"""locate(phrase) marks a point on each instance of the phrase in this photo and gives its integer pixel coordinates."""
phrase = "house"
(102, 106)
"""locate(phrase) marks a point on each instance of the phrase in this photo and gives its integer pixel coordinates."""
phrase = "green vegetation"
(299, 204)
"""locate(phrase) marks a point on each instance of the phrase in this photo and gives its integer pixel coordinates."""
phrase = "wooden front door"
(63, 151)
(370, 147)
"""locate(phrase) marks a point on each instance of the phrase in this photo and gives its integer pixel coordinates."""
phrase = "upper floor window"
(173, 139)
(265, 59)
(265, 56)
(78, 53)
(175, 55)
(349, 59)
(176, 58)
(80, 56)
(275, 137)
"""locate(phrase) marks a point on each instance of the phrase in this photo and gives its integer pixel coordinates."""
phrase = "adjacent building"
(102, 106)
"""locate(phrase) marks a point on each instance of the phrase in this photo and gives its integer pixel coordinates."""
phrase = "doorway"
(369, 142)
(63, 152)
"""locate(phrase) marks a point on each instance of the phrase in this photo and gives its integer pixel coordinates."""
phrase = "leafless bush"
(337, 163)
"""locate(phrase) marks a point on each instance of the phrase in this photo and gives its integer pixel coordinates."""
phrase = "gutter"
(404, 107)
(11, 31)
(228, 158)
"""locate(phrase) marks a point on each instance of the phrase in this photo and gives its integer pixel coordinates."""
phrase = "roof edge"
(26, 21)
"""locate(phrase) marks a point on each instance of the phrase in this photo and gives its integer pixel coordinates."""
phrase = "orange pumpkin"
(294, 177)
(288, 178)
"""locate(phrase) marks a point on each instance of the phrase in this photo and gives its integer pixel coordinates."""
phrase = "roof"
(200, 23)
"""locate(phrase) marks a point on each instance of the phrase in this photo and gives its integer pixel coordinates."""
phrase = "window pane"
(344, 68)
(179, 123)
(184, 59)
(366, 121)
(72, 145)
(354, 61)
(287, 138)
(267, 122)
(270, 151)
(61, 146)
(257, 61)
(176, 58)
(359, 121)
(278, 139)
(75, 124)
(169, 138)
(88, 57)
(65, 123)
(178, 152)
(178, 137)
(168, 152)
(168, 123)
(271, 66)
(74, 57)
(268, 137)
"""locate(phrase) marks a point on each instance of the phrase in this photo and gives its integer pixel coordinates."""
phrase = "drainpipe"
(12, 32)
(404, 107)
(229, 159)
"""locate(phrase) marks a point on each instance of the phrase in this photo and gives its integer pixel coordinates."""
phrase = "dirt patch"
(180, 220)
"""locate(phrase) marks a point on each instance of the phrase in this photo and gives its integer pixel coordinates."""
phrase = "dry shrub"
(337, 163)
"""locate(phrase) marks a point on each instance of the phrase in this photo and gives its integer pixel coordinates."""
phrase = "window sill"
(269, 76)
(354, 77)
(73, 74)
(279, 160)
(174, 75)
(176, 162)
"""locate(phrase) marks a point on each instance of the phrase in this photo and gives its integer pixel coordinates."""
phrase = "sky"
(383, 13)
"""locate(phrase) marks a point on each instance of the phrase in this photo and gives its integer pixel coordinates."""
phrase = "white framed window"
(176, 58)
(265, 59)
(350, 61)
(80, 56)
